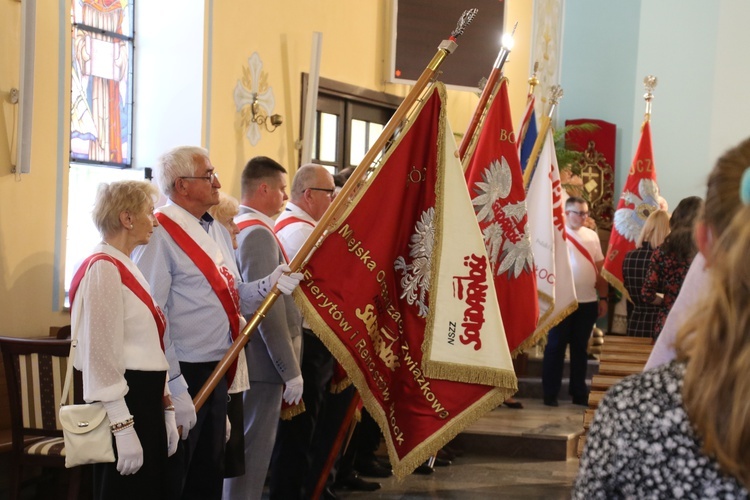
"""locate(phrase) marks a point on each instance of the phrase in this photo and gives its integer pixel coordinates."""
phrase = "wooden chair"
(35, 373)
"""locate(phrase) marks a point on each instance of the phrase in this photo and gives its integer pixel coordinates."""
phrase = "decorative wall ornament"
(254, 100)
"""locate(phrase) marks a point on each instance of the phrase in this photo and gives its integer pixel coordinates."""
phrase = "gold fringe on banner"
(440, 369)
(292, 411)
(401, 467)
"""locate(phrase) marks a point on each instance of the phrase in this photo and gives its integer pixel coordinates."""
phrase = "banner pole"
(329, 217)
(487, 91)
(338, 441)
(556, 93)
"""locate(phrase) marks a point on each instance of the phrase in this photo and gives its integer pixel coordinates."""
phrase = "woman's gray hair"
(176, 163)
(121, 196)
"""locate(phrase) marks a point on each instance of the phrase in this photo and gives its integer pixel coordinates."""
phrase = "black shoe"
(442, 462)
(424, 469)
(584, 401)
(548, 401)
(355, 483)
(446, 454)
(512, 403)
(373, 468)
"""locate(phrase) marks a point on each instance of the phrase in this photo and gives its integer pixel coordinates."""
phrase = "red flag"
(639, 198)
(495, 182)
(371, 289)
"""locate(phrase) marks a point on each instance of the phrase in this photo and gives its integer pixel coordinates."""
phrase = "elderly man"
(190, 267)
(273, 355)
(312, 192)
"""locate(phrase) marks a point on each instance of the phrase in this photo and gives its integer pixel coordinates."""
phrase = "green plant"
(570, 159)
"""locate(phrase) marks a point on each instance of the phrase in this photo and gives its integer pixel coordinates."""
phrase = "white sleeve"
(100, 333)
(692, 291)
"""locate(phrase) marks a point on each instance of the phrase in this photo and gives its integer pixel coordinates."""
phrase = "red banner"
(369, 293)
(639, 198)
(495, 182)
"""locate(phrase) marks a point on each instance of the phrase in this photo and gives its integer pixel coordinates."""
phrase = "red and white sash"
(130, 281)
(290, 220)
(573, 238)
(195, 244)
(249, 219)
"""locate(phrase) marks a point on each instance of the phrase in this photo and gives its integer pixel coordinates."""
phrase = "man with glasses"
(302, 445)
(273, 353)
(586, 259)
(190, 266)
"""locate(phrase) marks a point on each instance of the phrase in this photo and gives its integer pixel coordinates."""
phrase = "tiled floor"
(485, 471)
(482, 477)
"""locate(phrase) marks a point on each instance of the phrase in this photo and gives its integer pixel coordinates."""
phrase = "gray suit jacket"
(273, 352)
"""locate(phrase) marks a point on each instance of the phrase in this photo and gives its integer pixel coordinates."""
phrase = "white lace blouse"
(115, 330)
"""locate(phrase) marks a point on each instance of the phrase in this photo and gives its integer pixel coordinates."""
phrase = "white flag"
(554, 278)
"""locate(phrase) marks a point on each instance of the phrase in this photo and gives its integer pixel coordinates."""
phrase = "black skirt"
(144, 400)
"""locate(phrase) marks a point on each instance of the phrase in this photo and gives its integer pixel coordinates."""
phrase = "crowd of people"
(167, 291)
(680, 428)
(158, 304)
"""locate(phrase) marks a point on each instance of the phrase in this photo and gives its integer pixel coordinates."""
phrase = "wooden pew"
(620, 356)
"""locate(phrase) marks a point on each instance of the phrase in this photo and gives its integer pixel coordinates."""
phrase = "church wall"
(355, 50)
(33, 206)
(30, 204)
(694, 48)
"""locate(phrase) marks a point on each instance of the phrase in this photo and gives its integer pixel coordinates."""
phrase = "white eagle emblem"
(629, 221)
(504, 227)
(415, 282)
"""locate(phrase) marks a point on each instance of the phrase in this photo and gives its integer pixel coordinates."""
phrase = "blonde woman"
(225, 212)
(642, 320)
(119, 331)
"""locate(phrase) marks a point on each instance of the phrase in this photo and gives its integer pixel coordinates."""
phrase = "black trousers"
(293, 455)
(144, 400)
(575, 331)
(197, 469)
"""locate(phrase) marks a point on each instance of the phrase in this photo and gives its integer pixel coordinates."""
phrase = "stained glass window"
(101, 82)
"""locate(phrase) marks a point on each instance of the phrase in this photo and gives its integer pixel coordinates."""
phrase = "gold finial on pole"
(506, 45)
(555, 94)
(533, 80)
(650, 83)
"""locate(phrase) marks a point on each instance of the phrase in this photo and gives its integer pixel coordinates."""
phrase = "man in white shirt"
(586, 259)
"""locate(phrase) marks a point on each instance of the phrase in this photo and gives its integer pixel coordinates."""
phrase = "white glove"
(286, 283)
(293, 390)
(184, 412)
(173, 436)
(228, 431)
(129, 451)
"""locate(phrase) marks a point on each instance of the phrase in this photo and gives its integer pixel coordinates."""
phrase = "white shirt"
(584, 273)
(115, 330)
(293, 236)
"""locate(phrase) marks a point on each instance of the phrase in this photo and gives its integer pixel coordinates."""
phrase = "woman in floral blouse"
(683, 428)
(671, 260)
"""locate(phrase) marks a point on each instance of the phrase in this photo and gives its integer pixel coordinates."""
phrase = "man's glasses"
(211, 178)
(329, 191)
(580, 214)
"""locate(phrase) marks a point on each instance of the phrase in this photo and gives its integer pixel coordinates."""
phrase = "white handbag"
(86, 431)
